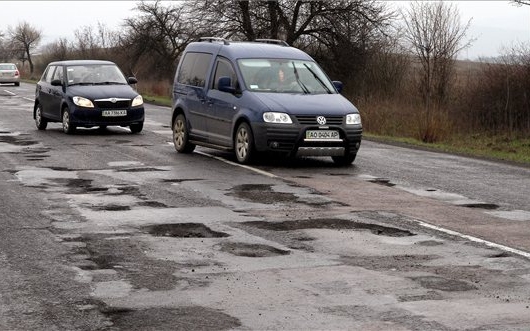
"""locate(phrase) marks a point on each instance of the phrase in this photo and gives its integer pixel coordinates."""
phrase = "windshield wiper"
(109, 83)
(304, 88)
(81, 83)
(318, 79)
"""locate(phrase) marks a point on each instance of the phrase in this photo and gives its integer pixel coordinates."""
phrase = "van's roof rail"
(273, 41)
(212, 39)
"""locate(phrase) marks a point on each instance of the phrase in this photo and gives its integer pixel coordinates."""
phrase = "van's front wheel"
(181, 135)
(345, 160)
(244, 144)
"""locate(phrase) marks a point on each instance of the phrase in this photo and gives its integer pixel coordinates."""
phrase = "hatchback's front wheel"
(137, 127)
(40, 122)
(244, 143)
(68, 127)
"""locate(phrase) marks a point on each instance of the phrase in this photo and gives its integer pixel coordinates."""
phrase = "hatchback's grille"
(312, 120)
(120, 104)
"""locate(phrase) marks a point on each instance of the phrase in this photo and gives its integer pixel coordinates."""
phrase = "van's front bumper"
(291, 139)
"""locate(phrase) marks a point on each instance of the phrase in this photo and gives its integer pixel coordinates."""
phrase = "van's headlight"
(138, 101)
(273, 117)
(353, 119)
(83, 102)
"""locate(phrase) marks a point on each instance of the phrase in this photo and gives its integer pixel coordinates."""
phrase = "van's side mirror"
(338, 85)
(132, 80)
(57, 82)
(224, 84)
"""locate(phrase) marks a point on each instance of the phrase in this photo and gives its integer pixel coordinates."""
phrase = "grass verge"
(496, 148)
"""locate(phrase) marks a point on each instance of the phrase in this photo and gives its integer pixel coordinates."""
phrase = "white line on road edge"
(474, 239)
(420, 223)
(261, 172)
(9, 92)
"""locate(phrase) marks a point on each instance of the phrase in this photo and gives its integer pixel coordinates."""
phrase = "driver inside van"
(285, 81)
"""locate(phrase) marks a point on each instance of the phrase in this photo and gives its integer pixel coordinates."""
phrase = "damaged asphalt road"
(104, 230)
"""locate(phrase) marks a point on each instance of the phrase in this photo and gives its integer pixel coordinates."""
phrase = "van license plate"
(112, 113)
(321, 134)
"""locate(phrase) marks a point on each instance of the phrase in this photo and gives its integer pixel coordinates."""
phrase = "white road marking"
(261, 172)
(474, 239)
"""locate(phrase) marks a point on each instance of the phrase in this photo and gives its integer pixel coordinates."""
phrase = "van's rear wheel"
(181, 135)
(244, 143)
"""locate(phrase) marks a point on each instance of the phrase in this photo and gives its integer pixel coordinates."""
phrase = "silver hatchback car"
(9, 74)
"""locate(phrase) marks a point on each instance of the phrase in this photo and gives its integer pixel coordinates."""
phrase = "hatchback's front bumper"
(89, 117)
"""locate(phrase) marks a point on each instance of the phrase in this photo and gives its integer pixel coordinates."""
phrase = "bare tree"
(95, 43)
(435, 35)
(521, 2)
(157, 36)
(24, 38)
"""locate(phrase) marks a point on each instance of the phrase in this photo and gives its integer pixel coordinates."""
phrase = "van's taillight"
(17, 73)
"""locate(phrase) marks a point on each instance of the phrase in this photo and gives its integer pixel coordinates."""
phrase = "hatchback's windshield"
(94, 74)
(284, 76)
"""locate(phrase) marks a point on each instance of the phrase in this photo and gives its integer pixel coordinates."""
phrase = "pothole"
(443, 284)
(392, 262)
(429, 243)
(111, 208)
(251, 250)
(174, 319)
(183, 230)
(330, 223)
(382, 181)
(262, 193)
(147, 169)
(500, 255)
(14, 140)
(480, 205)
(180, 180)
(153, 204)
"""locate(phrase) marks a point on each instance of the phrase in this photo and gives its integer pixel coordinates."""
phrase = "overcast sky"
(495, 24)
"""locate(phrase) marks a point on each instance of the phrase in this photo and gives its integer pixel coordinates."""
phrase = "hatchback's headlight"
(138, 101)
(353, 119)
(83, 102)
(273, 117)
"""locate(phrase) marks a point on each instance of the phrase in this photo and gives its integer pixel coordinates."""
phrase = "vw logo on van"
(113, 100)
(321, 120)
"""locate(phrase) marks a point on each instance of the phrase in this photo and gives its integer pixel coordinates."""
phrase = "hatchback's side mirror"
(57, 82)
(132, 80)
(338, 85)
(224, 84)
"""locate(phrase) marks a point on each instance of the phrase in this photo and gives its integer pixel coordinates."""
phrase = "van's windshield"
(284, 76)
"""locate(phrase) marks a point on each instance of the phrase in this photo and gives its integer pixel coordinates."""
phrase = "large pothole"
(262, 193)
(443, 284)
(183, 230)
(251, 250)
(171, 319)
(330, 223)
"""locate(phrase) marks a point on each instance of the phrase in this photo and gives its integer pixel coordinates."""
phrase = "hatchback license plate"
(112, 113)
(321, 134)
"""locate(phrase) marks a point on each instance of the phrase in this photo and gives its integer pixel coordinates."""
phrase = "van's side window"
(223, 69)
(194, 68)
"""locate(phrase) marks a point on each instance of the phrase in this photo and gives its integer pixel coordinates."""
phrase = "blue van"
(260, 96)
